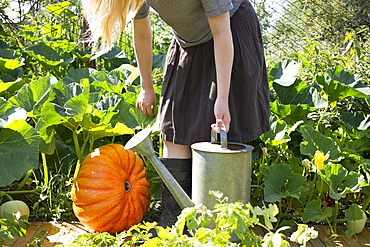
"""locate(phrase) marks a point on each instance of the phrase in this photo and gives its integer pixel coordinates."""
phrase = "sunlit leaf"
(18, 151)
(284, 73)
(10, 113)
(358, 120)
(10, 60)
(277, 133)
(314, 140)
(339, 84)
(313, 212)
(49, 56)
(57, 9)
(33, 94)
(300, 93)
(7, 88)
(280, 182)
(290, 113)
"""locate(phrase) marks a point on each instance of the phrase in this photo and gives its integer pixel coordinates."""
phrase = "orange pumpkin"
(111, 193)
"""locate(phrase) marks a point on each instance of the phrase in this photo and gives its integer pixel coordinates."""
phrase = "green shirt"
(188, 18)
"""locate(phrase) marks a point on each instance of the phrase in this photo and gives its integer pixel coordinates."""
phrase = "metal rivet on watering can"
(224, 166)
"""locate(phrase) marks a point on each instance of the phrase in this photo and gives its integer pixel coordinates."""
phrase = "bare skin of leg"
(172, 150)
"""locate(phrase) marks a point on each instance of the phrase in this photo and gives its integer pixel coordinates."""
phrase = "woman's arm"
(144, 56)
(224, 57)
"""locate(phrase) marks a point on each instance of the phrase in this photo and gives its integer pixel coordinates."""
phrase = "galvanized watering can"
(225, 168)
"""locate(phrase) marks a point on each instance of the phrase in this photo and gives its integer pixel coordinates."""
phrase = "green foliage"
(229, 218)
(15, 225)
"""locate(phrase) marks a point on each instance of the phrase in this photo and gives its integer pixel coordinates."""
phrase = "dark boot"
(180, 169)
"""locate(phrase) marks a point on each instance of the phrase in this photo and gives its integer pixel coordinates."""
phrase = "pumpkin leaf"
(313, 212)
(277, 133)
(339, 84)
(280, 182)
(76, 75)
(33, 95)
(314, 140)
(284, 73)
(10, 60)
(18, 151)
(354, 212)
(9, 113)
(300, 93)
(358, 120)
(290, 113)
(7, 88)
(49, 56)
(341, 182)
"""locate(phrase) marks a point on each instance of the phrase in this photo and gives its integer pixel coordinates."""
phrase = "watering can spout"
(142, 144)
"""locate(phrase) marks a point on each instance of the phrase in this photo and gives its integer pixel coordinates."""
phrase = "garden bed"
(61, 234)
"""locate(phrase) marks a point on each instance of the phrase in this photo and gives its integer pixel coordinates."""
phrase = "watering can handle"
(223, 137)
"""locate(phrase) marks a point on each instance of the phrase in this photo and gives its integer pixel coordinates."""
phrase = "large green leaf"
(71, 99)
(300, 93)
(284, 73)
(114, 58)
(49, 56)
(76, 75)
(313, 212)
(57, 9)
(339, 84)
(10, 113)
(110, 82)
(290, 113)
(33, 94)
(277, 133)
(358, 120)
(280, 182)
(341, 182)
(314, 140)
(10, 60)
(18, 151)
(124, 115)
(49, 117)
(7, 88)
(354, 212)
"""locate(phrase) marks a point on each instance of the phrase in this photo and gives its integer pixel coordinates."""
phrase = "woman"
(215, 74)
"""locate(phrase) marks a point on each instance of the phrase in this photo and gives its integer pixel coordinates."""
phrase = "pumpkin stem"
(127, 186)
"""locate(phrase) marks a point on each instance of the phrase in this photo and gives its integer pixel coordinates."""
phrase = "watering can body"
(227, 170)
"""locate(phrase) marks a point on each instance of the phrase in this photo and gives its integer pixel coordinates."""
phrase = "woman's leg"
(177, 160)
(172, 150)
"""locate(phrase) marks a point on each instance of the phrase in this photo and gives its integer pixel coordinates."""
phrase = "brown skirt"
(189, 87)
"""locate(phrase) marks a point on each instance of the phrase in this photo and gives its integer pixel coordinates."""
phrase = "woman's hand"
(222, 114)
(146, 101)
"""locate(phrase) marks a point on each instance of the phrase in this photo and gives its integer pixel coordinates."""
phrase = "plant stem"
(335, 216)
(24, 181)
(322, 116)
(321, 185)
(22, 192)
(46, 172)
(78, 151)
(331, 228)
(313, 188)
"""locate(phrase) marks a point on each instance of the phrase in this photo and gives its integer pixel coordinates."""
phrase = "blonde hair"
(107, 19)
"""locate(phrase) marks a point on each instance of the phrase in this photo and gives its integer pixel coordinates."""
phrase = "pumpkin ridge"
(104, 163)
(112, 211)
(98, 194)
(123, 154)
